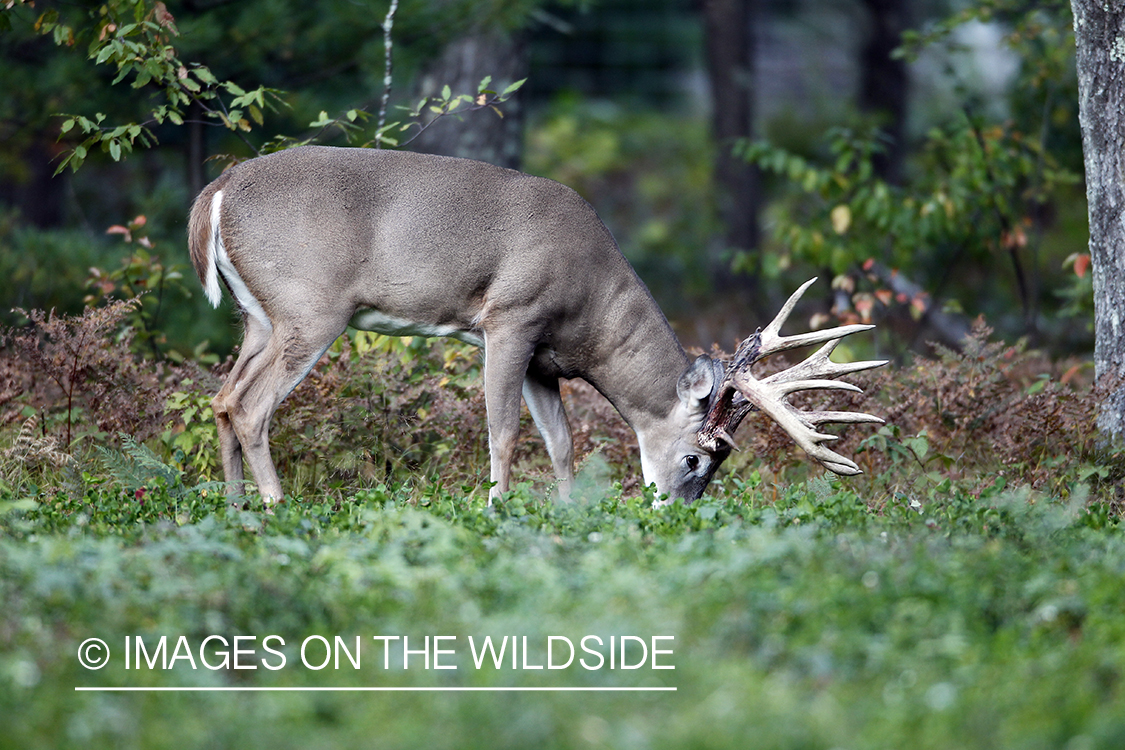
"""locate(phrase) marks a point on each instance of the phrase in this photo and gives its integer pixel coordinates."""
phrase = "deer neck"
(638, 363)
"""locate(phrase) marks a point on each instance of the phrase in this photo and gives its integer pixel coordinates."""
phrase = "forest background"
(954, 160)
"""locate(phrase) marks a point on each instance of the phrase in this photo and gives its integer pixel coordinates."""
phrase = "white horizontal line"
(250, 689)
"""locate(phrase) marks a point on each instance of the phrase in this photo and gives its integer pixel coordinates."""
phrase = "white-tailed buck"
(314, 239)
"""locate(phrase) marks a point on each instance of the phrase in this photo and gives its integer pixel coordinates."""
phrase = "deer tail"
(205, 240)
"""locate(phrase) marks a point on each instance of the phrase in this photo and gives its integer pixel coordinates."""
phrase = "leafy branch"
(976, 195)
(135, 36)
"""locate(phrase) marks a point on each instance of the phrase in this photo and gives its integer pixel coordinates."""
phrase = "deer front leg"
(506, 356)
(544, 401)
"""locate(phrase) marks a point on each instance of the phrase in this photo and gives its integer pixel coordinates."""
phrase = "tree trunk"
(195, 149)
(884, 81)
(1100, 36)
(483, 134)
(729, 28)
(40, 194)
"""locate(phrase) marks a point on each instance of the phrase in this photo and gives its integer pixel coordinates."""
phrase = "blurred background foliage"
(923, 153)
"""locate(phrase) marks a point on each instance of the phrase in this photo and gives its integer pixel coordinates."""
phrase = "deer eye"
(691, 462)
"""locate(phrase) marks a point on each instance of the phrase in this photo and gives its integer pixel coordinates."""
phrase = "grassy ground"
(808, 620)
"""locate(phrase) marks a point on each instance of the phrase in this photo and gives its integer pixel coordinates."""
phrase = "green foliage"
(648, 173)
(149, 45)
(145, 280)
(394, 134)
(43, 269)
(975, 188)
(50, 268)
(192, 439)
(970, 205)
(983, 621)
(985, 201)
(135, 37)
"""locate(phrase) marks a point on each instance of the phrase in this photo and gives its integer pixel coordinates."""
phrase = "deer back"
(448, 245)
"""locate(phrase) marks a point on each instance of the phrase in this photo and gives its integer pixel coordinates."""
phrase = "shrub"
(379, 411)
(989, 410)
(83, 374)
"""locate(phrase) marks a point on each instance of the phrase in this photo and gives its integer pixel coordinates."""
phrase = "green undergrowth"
(802, 616)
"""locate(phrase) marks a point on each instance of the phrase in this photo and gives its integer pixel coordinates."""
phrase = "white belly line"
(380, 322)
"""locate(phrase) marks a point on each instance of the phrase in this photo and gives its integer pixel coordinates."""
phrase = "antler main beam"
(741, 392)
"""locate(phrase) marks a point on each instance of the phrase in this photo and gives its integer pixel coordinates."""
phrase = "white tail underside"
(219, 262)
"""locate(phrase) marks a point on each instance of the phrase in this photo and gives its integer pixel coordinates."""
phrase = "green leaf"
(105, 53)
(63, 164)
(512, 88)
(204, 74)
(918, 445)
(46, 22)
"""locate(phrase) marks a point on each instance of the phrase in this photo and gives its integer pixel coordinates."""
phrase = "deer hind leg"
(544, 401)
(506, 356)
(254, 341)
(252, 394)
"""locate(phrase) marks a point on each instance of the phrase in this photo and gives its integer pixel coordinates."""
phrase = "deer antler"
(740, 392)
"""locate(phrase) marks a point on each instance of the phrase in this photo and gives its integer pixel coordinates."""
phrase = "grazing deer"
(314, 239)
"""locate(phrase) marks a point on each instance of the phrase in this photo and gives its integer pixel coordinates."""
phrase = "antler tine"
(840, 417)
(801, 427)
(811, 373)
(774, 328)
(770, 340)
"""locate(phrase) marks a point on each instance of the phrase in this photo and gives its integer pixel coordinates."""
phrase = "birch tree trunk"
(1099, 30)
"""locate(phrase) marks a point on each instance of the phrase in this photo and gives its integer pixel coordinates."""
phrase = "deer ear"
(697, 383)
